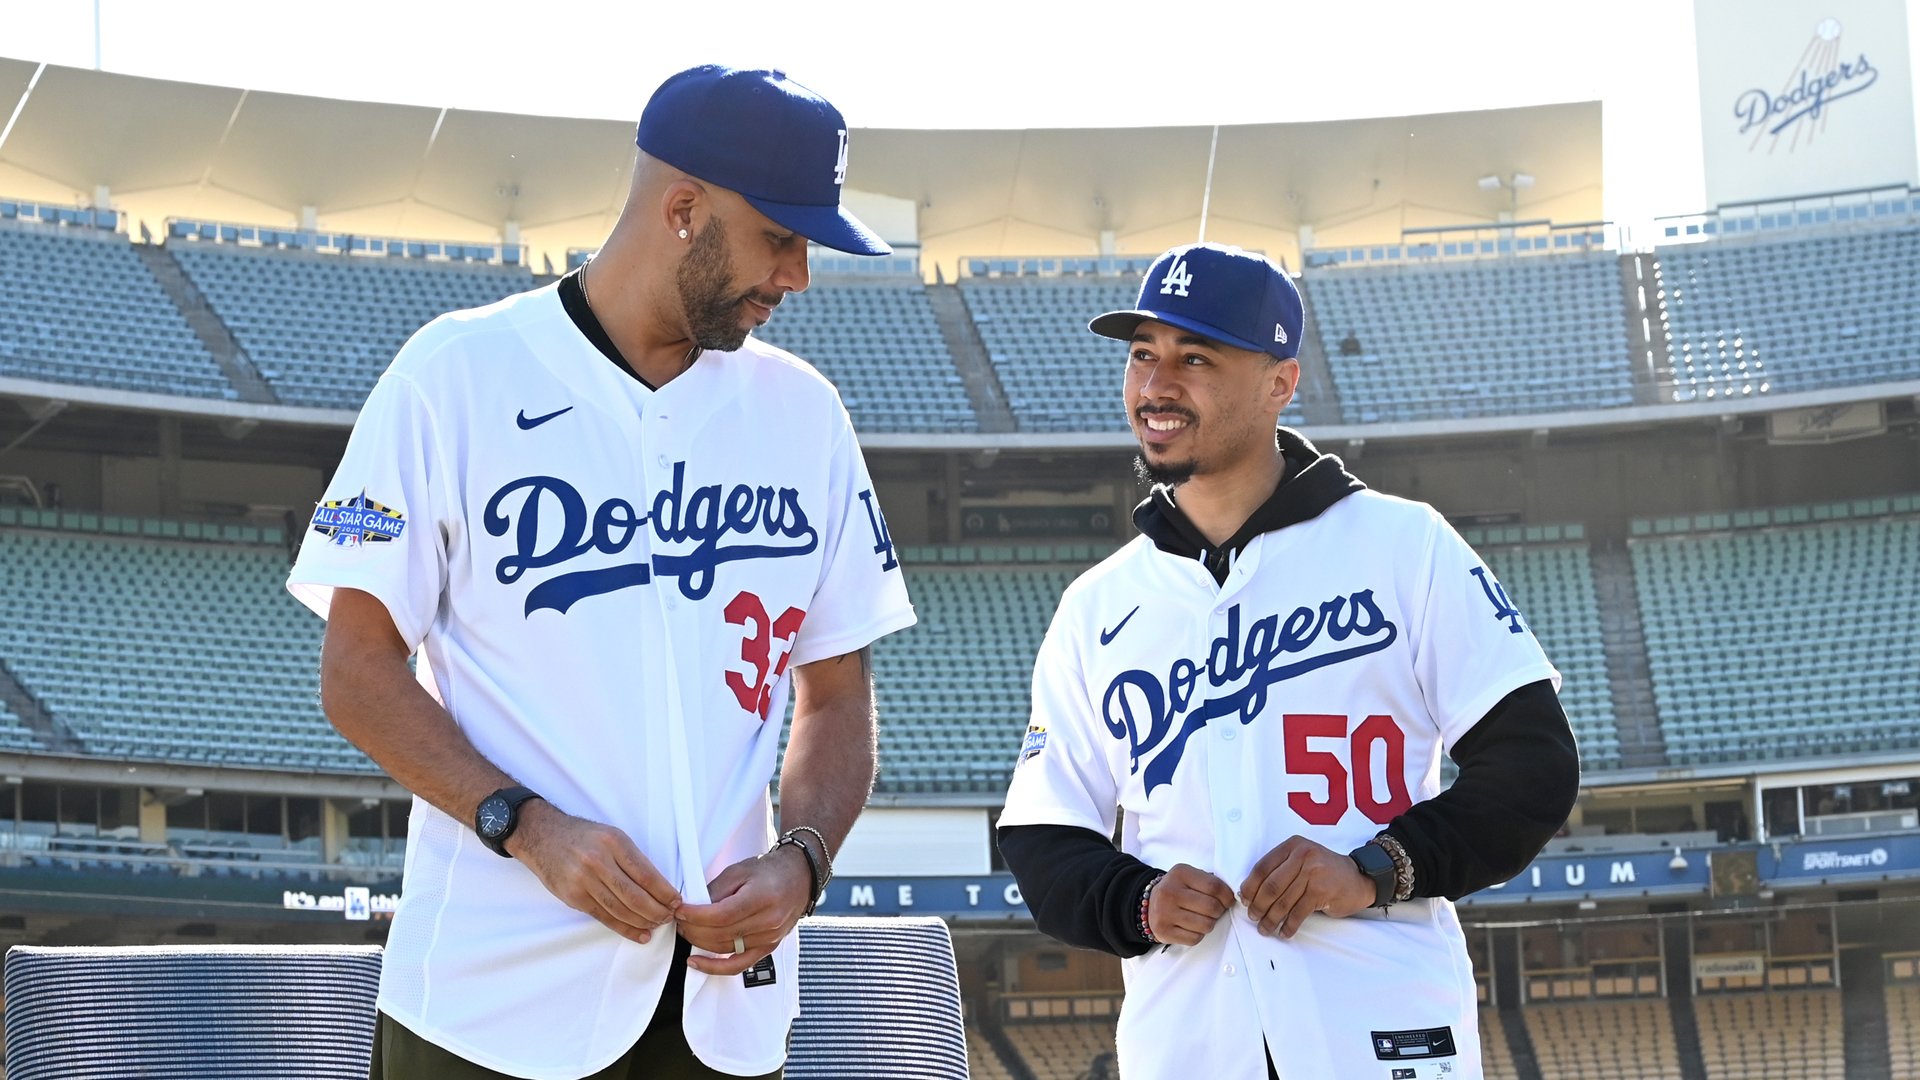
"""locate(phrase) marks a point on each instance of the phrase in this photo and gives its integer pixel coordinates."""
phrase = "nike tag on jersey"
(1424, 1043)
(529, 423)
(760, 974)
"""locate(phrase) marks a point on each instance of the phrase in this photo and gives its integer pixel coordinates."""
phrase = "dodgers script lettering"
(1141, 708)
(704, 518)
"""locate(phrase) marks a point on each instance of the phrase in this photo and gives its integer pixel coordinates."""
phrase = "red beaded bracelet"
(1146, 897)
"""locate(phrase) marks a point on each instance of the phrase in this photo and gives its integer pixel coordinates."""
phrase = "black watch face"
(494, 816)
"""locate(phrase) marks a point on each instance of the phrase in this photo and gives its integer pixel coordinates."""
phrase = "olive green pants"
(661, 1054)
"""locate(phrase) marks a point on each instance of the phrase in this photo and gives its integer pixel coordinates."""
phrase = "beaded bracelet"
(1402, 866)
(1146, 898)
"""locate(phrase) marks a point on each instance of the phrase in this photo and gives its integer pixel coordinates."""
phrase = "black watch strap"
(513, 797)
(1376, 864)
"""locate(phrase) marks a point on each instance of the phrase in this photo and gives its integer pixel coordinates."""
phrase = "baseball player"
(617, 529)
(1263, 681)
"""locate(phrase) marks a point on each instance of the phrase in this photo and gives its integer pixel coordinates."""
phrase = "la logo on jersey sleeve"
(358, 520)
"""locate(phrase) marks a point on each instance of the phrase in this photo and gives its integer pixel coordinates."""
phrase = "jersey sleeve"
(861, 596)
(1063, 775)
(378, 528)
(1474, 645)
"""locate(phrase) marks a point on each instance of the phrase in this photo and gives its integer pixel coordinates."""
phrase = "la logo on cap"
(840, 160)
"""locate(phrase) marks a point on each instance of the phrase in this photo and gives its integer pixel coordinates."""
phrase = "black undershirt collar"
(574, 299)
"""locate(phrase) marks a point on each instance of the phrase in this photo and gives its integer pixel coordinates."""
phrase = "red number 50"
(756, 691)
(1297, 728)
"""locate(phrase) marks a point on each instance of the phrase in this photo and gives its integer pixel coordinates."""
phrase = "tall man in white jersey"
(1264, 681)
(616, 529)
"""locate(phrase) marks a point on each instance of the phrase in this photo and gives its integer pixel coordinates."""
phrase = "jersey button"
(1227, 970)
(1226, 732)
(1233, 815)
(661, 461)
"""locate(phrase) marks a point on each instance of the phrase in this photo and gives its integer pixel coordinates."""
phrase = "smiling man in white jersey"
(1264, 681)
(617, 530)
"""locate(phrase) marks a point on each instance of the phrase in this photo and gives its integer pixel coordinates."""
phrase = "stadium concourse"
(1705, 498)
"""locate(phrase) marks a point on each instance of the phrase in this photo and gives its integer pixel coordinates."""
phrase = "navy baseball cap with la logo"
(780, 145)
(1224, 293)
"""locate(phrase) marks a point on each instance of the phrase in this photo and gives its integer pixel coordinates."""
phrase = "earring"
(683, 234)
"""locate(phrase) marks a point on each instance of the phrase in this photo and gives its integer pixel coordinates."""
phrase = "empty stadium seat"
(1780, 643)
(1496, 1058)
(1527, 335)
(321, 328)
(1057, 375)
(1773, 315)
(1774, 1035)
(1903, 1028)
(1552, 584)
(1602, 1040)
(1062, 1049)
(878, 341)
(167, 650)
(82, 308)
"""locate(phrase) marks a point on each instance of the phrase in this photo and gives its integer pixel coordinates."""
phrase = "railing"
(1064, 1005)
(1452, 243)
(1053, 266)
(47, 214)
(340, 243)
(1890, 205)
(190, 858)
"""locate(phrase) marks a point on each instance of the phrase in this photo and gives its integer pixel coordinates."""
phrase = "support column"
(333, 828)
(169, 471)
(153, 818)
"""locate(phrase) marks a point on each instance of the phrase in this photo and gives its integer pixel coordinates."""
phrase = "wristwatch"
(1376, 864)
(499, 815)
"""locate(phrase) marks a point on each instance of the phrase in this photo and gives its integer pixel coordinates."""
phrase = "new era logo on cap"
(1225, 293)
(781, 146)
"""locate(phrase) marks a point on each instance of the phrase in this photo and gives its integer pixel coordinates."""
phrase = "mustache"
(768, 302)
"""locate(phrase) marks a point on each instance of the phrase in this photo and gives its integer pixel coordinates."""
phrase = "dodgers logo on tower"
(358, 520)
(1141, 709)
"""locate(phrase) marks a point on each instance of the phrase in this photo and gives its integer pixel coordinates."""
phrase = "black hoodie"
(1519, 771)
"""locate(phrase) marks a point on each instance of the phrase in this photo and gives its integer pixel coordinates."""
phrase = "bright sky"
(971, 63)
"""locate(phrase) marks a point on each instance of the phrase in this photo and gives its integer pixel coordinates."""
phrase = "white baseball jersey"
(609, 587)
(1311, 694)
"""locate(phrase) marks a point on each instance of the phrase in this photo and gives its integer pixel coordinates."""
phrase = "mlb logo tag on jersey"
(1422, 1043)
(760, 974)
(359, 520)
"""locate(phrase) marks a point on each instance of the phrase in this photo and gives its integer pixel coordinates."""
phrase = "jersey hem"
(306, 589)
(1038, 815)
(1500, 688)
(500, 1065)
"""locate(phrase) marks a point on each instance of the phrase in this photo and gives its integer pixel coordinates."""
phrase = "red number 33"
(756, 691)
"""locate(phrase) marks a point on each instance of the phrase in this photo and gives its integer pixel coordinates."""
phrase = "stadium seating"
(954, 692)
(1766, 643)
(1057, 376)
(1776, 1035)
(167, 650)
(1496, 1058)
(1771, 315)
(878, 341)
(1603, 1040)
(1062, 1049)
(1535, 335)
(15, 735)
(1552, 585)
(983, 1062)
(321, 328)
(1903, 1028)
(82, 308)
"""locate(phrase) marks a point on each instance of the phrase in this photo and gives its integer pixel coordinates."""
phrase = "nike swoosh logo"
(529, 425)
(1107, 636)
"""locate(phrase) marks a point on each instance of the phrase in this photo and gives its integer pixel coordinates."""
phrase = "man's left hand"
(755, 902)
(1299, 878)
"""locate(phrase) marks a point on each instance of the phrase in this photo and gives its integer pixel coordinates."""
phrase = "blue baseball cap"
(1224, 293)
(780, 145)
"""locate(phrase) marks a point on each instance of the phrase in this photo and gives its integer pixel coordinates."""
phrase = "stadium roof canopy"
(172, 149)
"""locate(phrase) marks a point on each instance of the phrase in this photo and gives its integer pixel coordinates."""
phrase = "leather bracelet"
(1146, 898)
(826, 853)
(1402, 866)
(813, 869)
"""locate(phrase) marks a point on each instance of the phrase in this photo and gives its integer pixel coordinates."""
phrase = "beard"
(705, 283)
(1170, 473)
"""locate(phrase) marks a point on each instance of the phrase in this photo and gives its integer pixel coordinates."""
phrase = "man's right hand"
(1186, 904)
(593, 868)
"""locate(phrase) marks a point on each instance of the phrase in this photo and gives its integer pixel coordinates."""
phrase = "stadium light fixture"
(1678, 862)
(1489, 183)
